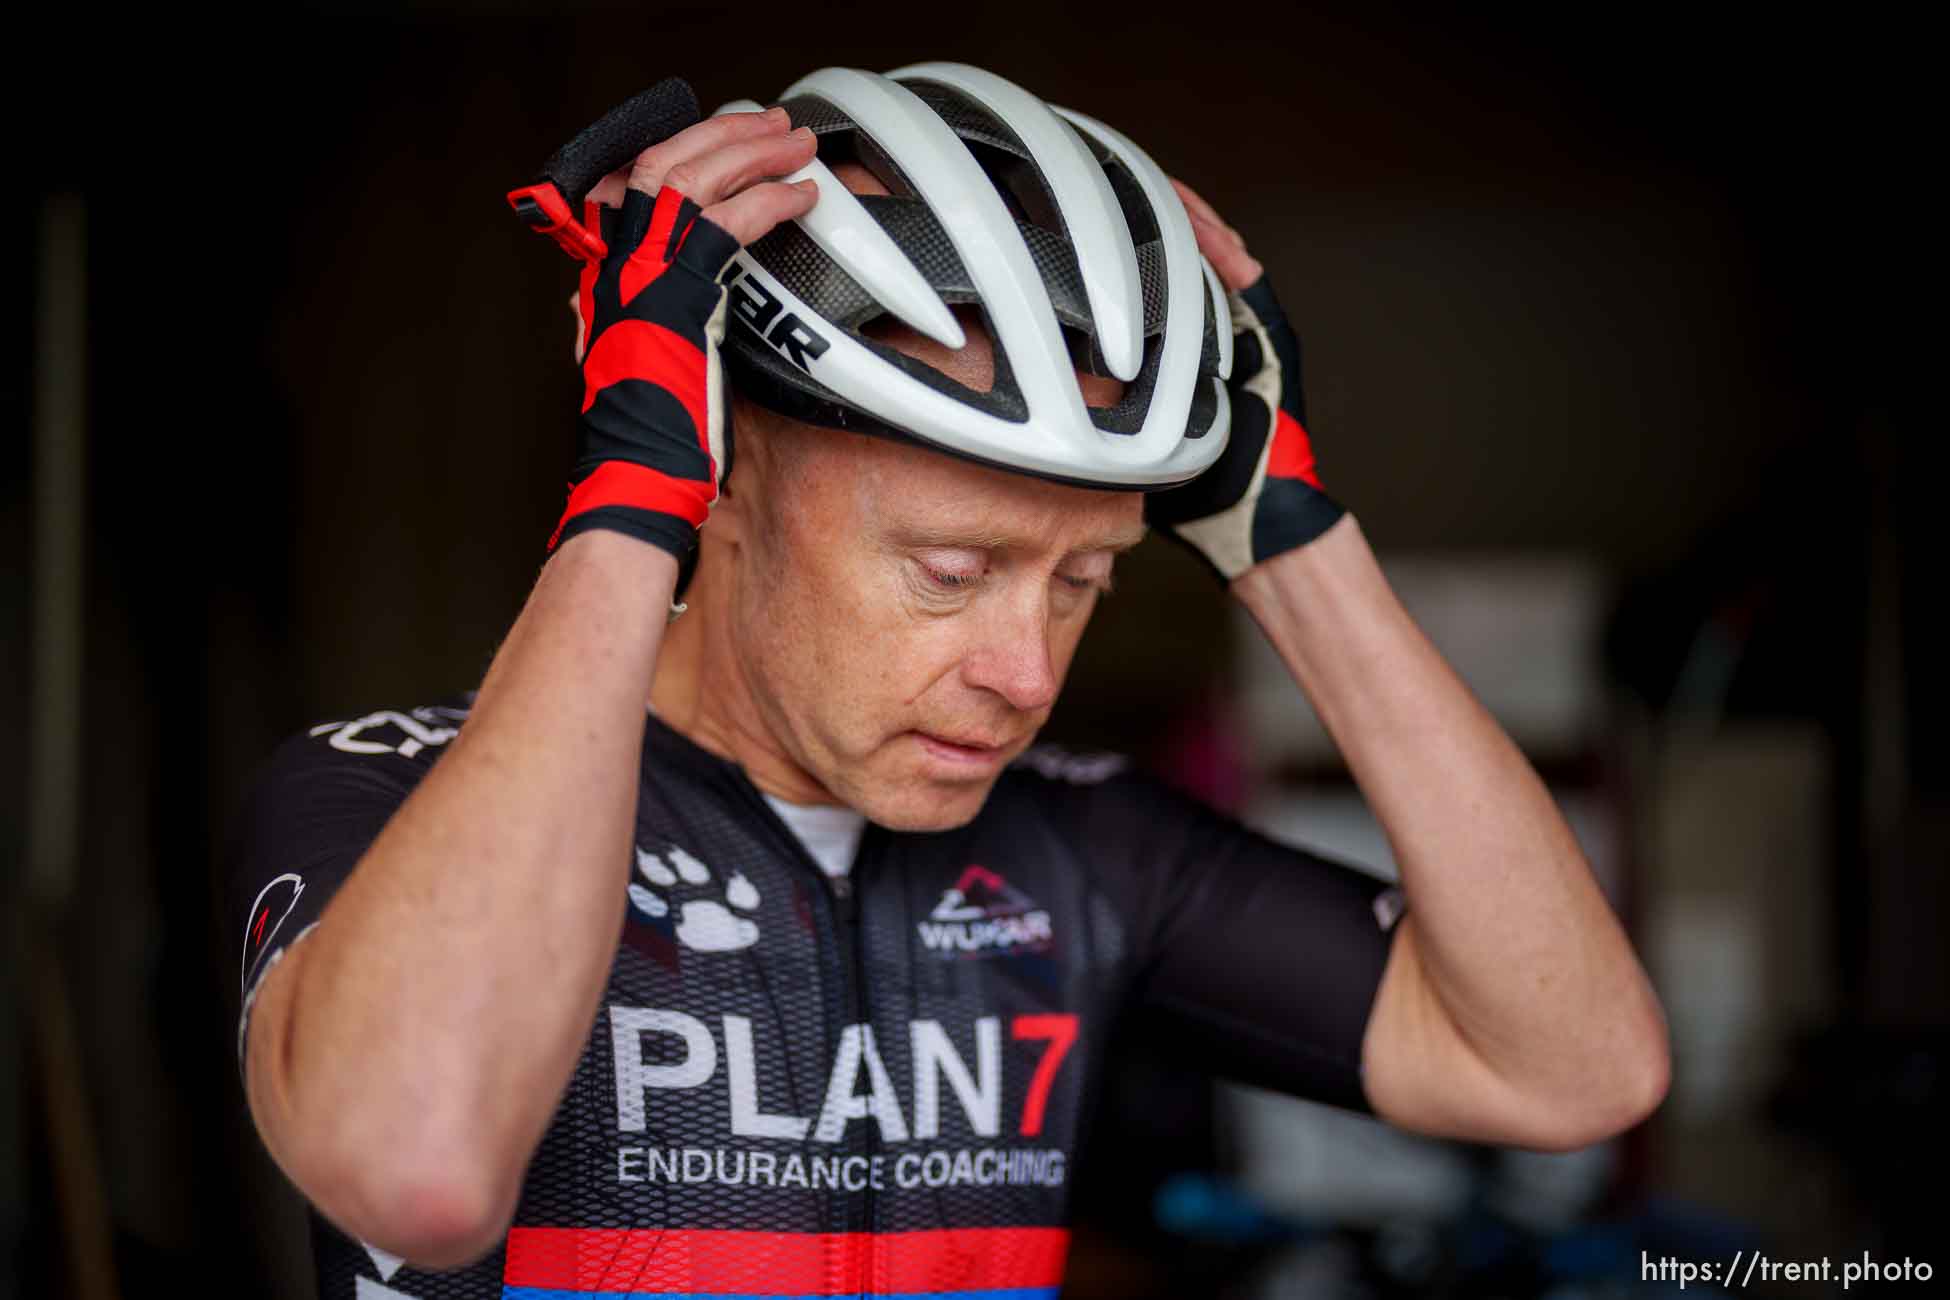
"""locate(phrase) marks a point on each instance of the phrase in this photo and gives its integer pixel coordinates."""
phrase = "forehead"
(910, 494)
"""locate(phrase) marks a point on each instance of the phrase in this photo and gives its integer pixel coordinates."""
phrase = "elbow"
(1654, 1077)
(396, 1169)
(446, 1225)
(431, 1212)
(1633, 1086)
(1643, 1072)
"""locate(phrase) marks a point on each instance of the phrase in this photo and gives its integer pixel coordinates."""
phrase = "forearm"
(448, 990)
(1512, 936)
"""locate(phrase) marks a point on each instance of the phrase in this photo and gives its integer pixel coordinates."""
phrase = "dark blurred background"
(1605, 310)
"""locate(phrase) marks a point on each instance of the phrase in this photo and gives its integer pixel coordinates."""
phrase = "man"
(871, 942)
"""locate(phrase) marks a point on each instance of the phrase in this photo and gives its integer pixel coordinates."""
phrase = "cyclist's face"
(905, 618)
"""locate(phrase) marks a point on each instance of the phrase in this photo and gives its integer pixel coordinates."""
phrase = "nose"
(1011, 655)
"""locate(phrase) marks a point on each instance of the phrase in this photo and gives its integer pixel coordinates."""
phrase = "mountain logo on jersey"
(680, 899)
(983, 915)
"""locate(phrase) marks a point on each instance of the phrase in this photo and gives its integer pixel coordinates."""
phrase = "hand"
(1261, 497)
(654, 439)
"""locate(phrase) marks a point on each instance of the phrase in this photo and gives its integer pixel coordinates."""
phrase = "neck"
(701, 691)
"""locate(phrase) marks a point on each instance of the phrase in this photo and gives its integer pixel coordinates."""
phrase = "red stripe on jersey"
(641, 349)
(735, 1262)
(1293, 452)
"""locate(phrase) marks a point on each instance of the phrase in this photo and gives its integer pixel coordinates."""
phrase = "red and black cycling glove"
(1262, 496)
(654, 438)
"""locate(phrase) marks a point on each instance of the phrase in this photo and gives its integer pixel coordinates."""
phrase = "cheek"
(896, 657)
(887, 652)
(838, 644)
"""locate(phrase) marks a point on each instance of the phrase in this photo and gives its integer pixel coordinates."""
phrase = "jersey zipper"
(845, 964)
(862, 1011)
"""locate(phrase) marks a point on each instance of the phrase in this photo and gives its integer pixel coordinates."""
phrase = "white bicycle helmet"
(1070, 241)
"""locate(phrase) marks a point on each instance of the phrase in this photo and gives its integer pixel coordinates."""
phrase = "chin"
(922, 805)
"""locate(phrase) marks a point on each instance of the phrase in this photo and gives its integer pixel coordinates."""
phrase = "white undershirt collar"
(830, 832)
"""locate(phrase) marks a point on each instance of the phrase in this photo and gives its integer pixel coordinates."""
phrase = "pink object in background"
(1204, 753)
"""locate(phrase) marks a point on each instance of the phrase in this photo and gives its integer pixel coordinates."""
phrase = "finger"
(1227, 252)
(754, 210)
(609, 190)
(1237, 269)
(1200, 210)
(1219, 234)
(710, 177)
(1209, 233)
(1198, 206)
(701, 140)
(1221, 248)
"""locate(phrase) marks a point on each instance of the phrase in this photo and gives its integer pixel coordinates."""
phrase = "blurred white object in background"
(1521, 628)
(1303, 1160)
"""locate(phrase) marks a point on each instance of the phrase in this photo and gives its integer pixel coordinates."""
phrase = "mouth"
(962, 752)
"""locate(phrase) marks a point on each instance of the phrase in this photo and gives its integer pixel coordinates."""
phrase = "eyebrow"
(986, 539)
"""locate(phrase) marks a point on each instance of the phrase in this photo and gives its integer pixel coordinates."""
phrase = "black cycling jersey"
(871, 1085)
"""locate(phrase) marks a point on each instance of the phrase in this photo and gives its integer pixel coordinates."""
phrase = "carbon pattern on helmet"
(1204, 408)
(1056, 264)
(797, 262)
(1151, 274)
(1137, 209)
(912, 225)
(1208, 352)
(869, 154)
(805, 268)
(842, 141)
(967, 118)
(1015, 175)
(1097, 151)
(823, 116)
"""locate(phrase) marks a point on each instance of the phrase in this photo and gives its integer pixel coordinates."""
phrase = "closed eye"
(961, 581)
(952, 580)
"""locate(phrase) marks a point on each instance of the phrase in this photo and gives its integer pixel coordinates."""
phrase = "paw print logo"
(709, 924)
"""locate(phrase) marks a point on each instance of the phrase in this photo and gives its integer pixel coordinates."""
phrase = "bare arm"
(1512, 1009)
(405, 1058)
